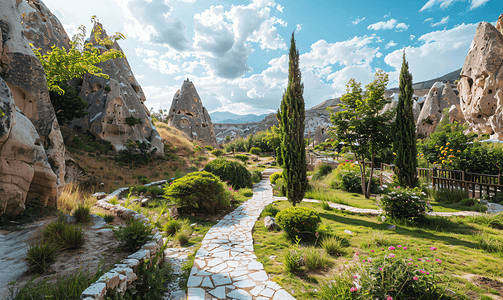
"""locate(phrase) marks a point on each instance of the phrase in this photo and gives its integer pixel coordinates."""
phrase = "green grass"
(458, 242)
(341, 197)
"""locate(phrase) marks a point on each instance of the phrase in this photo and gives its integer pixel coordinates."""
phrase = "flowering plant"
(405, 203)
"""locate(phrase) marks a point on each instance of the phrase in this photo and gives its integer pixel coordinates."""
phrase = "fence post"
(434, 174)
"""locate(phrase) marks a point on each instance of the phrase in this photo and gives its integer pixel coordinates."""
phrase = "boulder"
(188, 115)
(31, 135)
(115, 99)
(481, 83)
(270, 223)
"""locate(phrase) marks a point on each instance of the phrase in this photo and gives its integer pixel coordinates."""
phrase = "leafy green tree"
(360, 126)
(68, 105)
(291, 120)
(404, 145)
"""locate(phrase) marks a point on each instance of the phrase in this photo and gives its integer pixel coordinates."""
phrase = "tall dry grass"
(72, 196)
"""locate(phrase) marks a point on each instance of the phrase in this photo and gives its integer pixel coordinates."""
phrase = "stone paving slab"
(225, 266)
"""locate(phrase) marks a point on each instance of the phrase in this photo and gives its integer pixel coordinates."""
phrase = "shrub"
(132, 121)
(333, 245)
(63, 235)
(82, 213)
(316, 259)
(40, 257)
(108, 218)
(298, 221)
(198, 190)
(246, 192)
(242, 157)
(256, 176)
(325, 205)
(144, 181)
(270, 210)
(134, 235)
(182, 236)
(351, 182)
(292, 260)
(172, 226)
(255, 151)
(113, 201)
(208, 147)
(322, 171)
(233, 172)
(275, 176)
(217, 152)
(404, 203)
(469, 202)
(449, 196)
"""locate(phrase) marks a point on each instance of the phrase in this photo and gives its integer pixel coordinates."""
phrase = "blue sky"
(236, 52)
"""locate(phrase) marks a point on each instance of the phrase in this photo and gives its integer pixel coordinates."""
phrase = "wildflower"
(353, 289)
(391, 248)
(410, 258)
(409, 263)
(433, 248)
(419, 259)
(382, 249)
(404, 248)
(380, 269)
(422, 271)
(354, 276)
(389, 298)
(427, 273)
(357, 253)
(415, 278)
(392, 255)
(458, 151)
(372, 250)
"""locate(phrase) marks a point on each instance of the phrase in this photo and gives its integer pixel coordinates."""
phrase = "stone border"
(123, 273)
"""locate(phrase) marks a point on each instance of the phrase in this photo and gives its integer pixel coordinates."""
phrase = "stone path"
(225, 266)
(176, 257)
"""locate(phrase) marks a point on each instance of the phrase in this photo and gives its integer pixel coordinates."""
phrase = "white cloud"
(390, 44)
(446, 3)
(151, 21)
(412, 37)
(141, 51)
(443, 21)
(440, 53)
(71, 29)
(298, 28)
(401, 27)
(390, 24)
(280, 8)
(358, 20)
(223, 38)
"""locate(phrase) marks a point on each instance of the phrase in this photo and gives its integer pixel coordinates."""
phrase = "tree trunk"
(367, 195)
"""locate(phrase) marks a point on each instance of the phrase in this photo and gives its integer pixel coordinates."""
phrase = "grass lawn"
(458, 242)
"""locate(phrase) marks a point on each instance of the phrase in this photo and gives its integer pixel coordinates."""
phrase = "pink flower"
(422, 271)
(399, 246)
(419, 259)
(380, 269)
(382, 249)
(439, 261)
(353, 289)
(410, 259)
(357, 253)
(391, 248)
(363, 260)
(372, 250)
(392, 255)
(404, 248)
(415, 278)
(409, 263)
(417, 249)
(433, 248)
(354, 276)
(389, 298)
(230, 189)
(427, 273)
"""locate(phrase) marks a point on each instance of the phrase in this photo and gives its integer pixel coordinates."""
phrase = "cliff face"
(31, 145)
(115, 99)
(481, 84)
(188, 115)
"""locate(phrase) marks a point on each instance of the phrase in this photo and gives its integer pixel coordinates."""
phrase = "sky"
(236, 52)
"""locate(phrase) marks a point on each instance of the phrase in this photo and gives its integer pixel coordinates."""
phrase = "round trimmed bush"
(235, 173)
(275, 176)
(242, 157)
(298, 221)
(198, 190)
(217, 152)
(255, 151)
(404, 203)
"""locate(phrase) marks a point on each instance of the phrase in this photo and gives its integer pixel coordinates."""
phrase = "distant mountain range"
(230, 118)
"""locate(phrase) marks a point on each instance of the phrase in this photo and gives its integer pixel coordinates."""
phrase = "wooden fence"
(475, 184)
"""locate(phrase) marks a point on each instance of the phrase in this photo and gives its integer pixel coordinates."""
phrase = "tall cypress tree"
(404, 145)
(292, 115)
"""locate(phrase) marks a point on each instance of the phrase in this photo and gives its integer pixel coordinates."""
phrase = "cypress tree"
(404, 145)
(292, 115)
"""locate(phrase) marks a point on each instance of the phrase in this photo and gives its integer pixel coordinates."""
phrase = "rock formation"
(32, 151)
(115, 99)
(320, 135)
(188, 115)
(481, 84)
(41, 27)
(440, 97)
